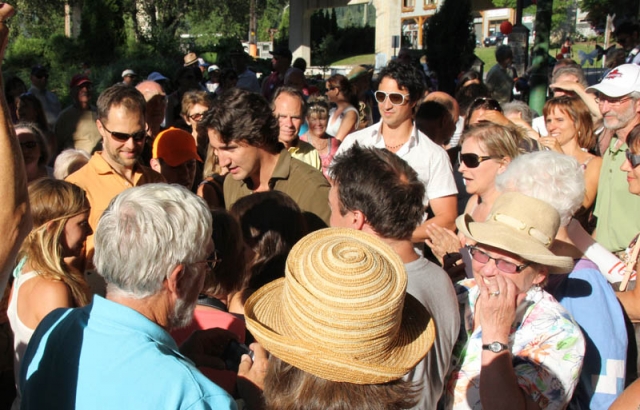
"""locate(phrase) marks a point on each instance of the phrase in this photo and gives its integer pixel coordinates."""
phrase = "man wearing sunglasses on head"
(618, 97)
(399, 90)
(121, 123)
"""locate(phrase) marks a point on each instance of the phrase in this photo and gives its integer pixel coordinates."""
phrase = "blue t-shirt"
(587, 295)
(108, 356)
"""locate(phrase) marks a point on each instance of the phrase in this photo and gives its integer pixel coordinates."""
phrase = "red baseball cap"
(78, 80)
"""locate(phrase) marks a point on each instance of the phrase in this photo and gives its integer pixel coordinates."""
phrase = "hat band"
(532, 231)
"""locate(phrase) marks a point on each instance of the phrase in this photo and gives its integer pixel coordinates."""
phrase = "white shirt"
(428, 159)
(539, 125)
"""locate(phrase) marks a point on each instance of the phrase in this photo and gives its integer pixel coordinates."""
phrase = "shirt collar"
(411, 142)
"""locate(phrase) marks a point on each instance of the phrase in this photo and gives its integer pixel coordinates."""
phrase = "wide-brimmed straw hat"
(522, 225)
(342, 312)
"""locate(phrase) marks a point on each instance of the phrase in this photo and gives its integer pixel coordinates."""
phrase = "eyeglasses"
(124, 137)
(197, 117)
(212, 260)
(394, 98)
(613, 102)
(28, 144)
(502, 265)
(632, 158)
(473, 160)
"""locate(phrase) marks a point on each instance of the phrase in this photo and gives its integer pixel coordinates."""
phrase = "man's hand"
(251, 375)
(204, 347)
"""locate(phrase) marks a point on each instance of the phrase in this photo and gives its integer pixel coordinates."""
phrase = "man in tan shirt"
(121, 123)
(76, 126)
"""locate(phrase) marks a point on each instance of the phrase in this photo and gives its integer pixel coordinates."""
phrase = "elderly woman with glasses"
(318, 118)
(518, 348)
(486, 151)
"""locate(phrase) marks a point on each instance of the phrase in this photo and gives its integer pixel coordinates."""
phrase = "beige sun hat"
(342, 312)
(522, 225)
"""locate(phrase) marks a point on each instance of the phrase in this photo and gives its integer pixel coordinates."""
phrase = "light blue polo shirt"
(108, 356)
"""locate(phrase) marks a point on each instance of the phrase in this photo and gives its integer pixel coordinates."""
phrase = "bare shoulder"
(39, 296)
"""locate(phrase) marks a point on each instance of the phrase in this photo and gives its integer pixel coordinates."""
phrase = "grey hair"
(69, 161)
(548, 176)
(635, 95)
(145, 233)
(570, 70)
(526, 112)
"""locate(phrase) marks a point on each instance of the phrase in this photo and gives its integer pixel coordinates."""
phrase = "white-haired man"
(152, 247)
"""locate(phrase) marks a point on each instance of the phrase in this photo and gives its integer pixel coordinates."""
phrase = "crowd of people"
(366, 244)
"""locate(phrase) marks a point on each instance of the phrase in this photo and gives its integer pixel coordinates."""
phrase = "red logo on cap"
(614, 74)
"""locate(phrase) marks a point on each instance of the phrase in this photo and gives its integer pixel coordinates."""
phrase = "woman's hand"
(441, 241)
(496, 308)
(551, 143)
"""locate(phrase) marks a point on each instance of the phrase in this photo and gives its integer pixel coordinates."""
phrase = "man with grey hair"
(153, 247)
(618, 97)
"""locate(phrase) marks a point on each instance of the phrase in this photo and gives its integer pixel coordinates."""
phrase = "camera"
(232, 354)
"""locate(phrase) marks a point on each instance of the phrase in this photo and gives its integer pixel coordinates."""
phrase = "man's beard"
(182, 314)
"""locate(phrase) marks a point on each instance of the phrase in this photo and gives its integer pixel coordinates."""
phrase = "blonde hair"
(497, 140)
(53, 203)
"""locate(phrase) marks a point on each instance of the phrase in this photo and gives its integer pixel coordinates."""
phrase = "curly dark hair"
(407, 76)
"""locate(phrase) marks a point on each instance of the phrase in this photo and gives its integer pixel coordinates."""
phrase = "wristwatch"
(495, 347)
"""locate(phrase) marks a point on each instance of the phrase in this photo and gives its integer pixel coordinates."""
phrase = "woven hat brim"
(510, 240)
(266, 322)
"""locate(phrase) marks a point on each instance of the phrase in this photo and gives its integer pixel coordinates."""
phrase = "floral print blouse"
(546, 345)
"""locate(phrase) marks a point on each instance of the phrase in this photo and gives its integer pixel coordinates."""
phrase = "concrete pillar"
(300, 30)
(388, 24)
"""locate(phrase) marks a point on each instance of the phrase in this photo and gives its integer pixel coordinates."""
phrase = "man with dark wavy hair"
(375, 191)
(243, 133)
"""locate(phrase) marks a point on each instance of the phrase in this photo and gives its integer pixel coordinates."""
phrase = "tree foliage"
(599, 9)
(450, 42)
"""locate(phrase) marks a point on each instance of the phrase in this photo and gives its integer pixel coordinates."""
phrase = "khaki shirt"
(303, 183)
(102, 184)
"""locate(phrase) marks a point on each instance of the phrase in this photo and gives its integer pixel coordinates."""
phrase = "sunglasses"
(502, 265)
(28, 144)
(394, 98)
(197, 117)
(124, 137)
(632, 158)
(473, 160)
(486, 103)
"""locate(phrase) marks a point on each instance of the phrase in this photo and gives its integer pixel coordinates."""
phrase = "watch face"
(495, 347)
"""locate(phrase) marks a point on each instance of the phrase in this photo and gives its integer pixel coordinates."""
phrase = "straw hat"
(522, 225)
(341, 312)
(190, 58)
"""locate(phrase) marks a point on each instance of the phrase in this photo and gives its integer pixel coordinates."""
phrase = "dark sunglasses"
(41, 76)
(632, 158)
(473, 160)
(486, 103)
(28, 144)
(394, 98)
(124, 137)
(503, 265)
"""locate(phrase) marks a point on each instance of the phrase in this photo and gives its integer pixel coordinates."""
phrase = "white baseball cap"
(619, 82)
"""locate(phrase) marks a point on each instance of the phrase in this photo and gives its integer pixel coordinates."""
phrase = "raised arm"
(15, 217)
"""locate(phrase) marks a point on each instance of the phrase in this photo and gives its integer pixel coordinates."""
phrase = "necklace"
(393, 147)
